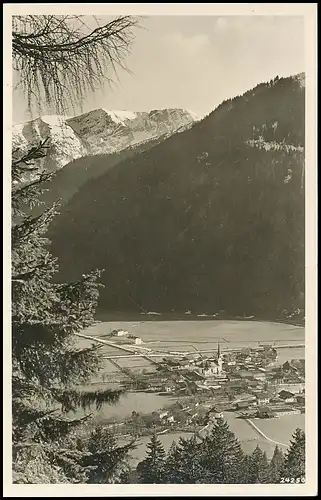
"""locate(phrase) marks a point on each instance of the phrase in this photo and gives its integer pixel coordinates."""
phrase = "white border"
(309, 11)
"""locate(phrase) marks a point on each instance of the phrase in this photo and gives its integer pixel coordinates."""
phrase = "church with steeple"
(212, 366)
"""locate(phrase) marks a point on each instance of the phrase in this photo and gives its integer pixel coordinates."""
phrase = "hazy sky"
(196, 62)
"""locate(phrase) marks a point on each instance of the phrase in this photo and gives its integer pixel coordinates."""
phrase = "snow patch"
(301, 79)
(288, 176)
(121, 116)
(55, 120)
(193, 115)
(274, 146)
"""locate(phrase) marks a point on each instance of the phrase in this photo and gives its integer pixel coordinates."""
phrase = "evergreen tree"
(47, 365)
(152, 468)
(258, 467)
(56, 60)
(128, 475)
(190, 469)
(173, 465)
(294, 461)
(182, 462)
(221, 456)
(276, 465)
(105, 461)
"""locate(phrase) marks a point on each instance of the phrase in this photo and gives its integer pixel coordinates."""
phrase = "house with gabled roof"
(287, 397)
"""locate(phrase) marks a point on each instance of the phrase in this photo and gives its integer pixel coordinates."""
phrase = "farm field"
(238, 333)
(180, 336)
(277, 429)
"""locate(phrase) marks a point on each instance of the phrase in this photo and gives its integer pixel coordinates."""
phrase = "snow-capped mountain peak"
(99, 131)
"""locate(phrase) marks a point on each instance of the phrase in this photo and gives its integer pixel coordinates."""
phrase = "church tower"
(219, 359)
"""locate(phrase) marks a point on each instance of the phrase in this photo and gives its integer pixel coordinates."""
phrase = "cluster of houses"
(246, 366)
(248, 381)
(179, 414)
(270, 404)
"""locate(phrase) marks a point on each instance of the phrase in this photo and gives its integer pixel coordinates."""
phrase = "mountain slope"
(68, 180)
(212, 218)
(98, 132)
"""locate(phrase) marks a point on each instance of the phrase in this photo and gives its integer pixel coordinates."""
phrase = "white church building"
(211, 366)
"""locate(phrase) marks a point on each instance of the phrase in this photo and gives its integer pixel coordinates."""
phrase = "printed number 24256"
(292, 480)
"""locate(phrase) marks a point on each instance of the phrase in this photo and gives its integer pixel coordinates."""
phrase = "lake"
(140, 402)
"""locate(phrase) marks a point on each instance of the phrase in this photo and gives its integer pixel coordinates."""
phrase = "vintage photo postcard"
(160, 239)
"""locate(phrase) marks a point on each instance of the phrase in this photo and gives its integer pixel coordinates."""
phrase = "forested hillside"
(67, 180)
(210, 219)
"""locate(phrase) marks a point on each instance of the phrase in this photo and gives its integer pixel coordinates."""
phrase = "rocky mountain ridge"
(99, 131)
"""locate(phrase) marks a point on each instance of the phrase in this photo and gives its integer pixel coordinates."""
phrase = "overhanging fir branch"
(58, 364)
(71, 400)
(79, 365)
(30, 335)
(53, 429)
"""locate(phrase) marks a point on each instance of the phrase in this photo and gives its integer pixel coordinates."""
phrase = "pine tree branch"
(31, 335)
(70, 400)
(34, 153)
(33, 225)
(53, 57)
(26, 277)
(24, 415)
(56, 428)
(29, 193)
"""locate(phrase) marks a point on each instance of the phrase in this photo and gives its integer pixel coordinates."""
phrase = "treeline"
(218, 459)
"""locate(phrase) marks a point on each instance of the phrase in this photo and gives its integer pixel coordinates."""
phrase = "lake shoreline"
(128, 316)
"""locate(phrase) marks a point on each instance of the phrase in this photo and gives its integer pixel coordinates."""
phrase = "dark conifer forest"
(210, 219)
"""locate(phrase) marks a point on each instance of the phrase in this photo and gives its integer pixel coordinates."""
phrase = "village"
(248, 382)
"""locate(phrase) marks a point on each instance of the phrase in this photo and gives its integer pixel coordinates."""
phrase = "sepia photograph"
(161, 249)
